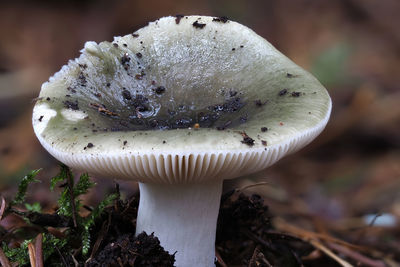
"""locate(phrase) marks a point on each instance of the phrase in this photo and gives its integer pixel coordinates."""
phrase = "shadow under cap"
(97, 112)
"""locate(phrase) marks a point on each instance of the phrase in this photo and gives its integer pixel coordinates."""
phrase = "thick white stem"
(183, 217)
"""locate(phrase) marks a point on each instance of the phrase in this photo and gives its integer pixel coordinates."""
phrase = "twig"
(3, 259)
(31, 252)
(61, 256)
(281, 225)
(356, 256)
(70, 181)
(3, 207)
(329, 253)
(39, 250)
(219, 259)
(100, 238)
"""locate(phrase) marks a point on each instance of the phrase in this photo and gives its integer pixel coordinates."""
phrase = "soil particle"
(198, 25)
(264, 129)
(222, 19)
(108, 84)
(178, 18)
(48, 98)
(90, 145)
(140, 103)
(128, 250)
(135, 35)
(71, 104)
(40, 118)
(264, 143)
(139, 76)
(282, 92)
(125, 142)
(102, 109)
(139, 55)
(115, 45)
(125, 59)
(295, 94)
(247, 139)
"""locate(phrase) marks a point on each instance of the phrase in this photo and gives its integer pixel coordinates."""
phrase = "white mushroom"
(179, 106)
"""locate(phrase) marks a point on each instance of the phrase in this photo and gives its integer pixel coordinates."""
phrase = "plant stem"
(183, 217)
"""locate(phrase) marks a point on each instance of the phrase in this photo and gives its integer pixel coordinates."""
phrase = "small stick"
(3, 259)
(39, 250)
(219, 259)
(61, 256)
(329, 253)
(3, 207)
(356, 256)
(31, 252)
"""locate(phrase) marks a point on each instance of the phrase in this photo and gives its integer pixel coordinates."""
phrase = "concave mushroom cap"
(129, 108)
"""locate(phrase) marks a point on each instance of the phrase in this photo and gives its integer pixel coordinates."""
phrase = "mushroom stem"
(183, 217)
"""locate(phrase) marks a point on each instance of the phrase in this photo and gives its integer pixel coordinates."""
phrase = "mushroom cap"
(184, 99)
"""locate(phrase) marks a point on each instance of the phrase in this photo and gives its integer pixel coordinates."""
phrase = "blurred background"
(350, 172)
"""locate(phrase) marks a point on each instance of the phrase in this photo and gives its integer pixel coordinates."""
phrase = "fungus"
(180, 169)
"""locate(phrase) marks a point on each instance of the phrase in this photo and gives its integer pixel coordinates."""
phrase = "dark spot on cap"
(222, 19)
(71, 104)
(233, 49)
(125, 45)
(164, 141)
(82, 79)
(160, 90)
(198, 25)
(232, 93)
(48, 98)
(178, 18)
(241, 46)
(115, 44)
(282, 92)
(139, 55)
(259, 103)
(90, 145)
(83, 66)
(135, 35)
(74, 128)
(264, 129)
(72, 90)
(108, 84)
(40, 118)
(126, 94)
(125, 142)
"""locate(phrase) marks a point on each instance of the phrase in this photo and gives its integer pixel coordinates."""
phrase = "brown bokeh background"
(351, 46)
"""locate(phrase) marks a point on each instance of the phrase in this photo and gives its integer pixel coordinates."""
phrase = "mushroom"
(179, 106)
